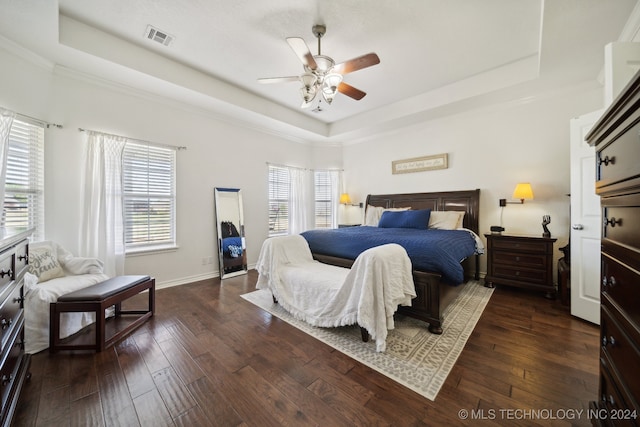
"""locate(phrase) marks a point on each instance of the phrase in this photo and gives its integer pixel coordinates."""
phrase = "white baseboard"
(188, 279)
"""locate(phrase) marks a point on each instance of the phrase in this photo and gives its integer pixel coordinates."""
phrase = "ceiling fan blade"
(269, 80)
(351, 91)
(301, 49)
(356, 64)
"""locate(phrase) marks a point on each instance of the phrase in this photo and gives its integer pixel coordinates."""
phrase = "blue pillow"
(405, 219)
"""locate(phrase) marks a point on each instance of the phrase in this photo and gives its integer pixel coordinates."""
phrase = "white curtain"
(336, 185)
(301, 200)
(102, 230)
(6, 119)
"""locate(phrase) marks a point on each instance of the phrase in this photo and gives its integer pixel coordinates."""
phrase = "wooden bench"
(97, 298)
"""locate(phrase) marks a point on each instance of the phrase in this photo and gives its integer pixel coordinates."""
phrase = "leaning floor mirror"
(232, 252)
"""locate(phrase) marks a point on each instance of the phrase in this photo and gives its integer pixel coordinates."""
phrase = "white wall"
(219, 154)
(492, 149)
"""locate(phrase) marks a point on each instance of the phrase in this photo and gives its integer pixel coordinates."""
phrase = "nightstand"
(520, 261)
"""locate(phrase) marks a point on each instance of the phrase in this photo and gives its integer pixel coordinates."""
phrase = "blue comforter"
(439, 251)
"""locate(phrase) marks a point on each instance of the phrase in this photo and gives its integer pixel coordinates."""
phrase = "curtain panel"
(102, 229)
(6, 120)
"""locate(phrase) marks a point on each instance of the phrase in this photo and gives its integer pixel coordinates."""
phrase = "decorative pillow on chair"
(44, 264)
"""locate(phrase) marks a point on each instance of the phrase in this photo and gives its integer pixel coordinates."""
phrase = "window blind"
(279, 183)
(24, 183)
(323, 200)
(148, 196)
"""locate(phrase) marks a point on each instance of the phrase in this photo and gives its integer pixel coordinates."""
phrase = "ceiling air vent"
(159, 36)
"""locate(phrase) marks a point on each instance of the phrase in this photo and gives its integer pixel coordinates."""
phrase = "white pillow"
(373, 214)
(44, 264)
(446, 220)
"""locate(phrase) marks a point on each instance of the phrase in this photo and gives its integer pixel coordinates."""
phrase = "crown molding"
(26, 54)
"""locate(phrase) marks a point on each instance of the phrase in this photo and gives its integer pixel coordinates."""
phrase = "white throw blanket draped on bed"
(327, 296)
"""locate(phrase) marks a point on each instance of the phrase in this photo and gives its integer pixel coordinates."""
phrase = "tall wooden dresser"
(616, 137)
(14, 363)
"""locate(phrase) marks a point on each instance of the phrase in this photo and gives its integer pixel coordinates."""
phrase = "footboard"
(432, 296)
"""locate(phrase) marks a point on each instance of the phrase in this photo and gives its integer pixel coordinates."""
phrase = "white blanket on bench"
(328, 296)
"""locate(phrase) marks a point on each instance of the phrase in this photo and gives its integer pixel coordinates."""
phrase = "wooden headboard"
(467, 201)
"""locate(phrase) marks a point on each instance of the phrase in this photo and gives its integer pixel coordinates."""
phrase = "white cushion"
(446, 220)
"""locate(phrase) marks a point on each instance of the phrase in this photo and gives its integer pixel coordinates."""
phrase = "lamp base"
(496, 229)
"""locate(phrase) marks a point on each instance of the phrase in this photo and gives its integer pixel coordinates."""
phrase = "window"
(148, 187)
(285, 184)
(324, 200)
(24, 183)
(279, 183)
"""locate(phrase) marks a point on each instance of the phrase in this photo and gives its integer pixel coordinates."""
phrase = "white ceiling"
(437, 56)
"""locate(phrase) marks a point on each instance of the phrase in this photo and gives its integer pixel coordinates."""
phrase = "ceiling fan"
(321, 73)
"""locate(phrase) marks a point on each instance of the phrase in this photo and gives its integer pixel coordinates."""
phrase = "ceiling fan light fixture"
(308, 95)
(324, 64)
(308, 80)
(330, 86)
(321, 74)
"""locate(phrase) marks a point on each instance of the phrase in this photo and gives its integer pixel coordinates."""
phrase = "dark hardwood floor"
(209, 358)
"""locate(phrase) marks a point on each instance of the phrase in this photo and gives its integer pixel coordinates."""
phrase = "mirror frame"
(233, 213)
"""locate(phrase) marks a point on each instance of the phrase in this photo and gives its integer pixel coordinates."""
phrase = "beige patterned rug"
(415, 357)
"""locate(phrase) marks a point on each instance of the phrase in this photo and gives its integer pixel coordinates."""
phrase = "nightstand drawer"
(520, 259)
(519, 245)
(512, 272)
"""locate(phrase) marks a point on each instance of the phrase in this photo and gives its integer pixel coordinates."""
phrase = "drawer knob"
(517, 258)
(5, 273)
(610, 341)
(4, 323)
(6, 379)
(611, 400)
(612, 222)
(23, 258)
(611, 281)
(607, 160)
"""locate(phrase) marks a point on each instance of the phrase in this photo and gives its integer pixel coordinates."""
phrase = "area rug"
(414, 357)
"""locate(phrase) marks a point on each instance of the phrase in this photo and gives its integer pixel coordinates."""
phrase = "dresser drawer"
(622, 225)
(611, 400)
(623, 353)
(10, 310)
(6, 273)
(21, 259)
(619, 160)
(520, 259)
(622, 285)
(9, 370)
(519, 245)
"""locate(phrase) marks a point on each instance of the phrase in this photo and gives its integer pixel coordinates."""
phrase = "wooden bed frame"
(433, 296)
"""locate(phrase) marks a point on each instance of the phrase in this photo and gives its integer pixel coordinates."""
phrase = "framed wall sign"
(419, 164)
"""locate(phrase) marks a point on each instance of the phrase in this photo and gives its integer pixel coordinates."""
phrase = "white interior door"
(585, 223)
